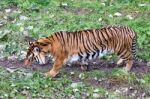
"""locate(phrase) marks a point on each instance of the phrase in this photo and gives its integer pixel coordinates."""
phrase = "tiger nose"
(27, 62)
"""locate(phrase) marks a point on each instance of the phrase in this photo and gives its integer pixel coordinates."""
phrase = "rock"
(131, 88)
(19, 24)
(5, 17)
(103, 4)
(64, 4)
(141, 5)
(72, 97)
(118, 91)
(75, 90)
(82, 76)
(2, 22)
(23, 17)
(129, 17)
(22, 55)
(6, 95)
(85, 95)
(25, 92)
(76, 84)
(2, 47)
(101, 79)
(100, 19)
(117, 14)
(11, 70)
(110, 15)
(95, 78)
(21, 29)
(7, 10)
(148, 63)
(96, 90)
(72, 73)
(7, 31)
(122, 90)
(13, 57)
(143, 95)
(25, 33)
(96, 95)
(30, 27)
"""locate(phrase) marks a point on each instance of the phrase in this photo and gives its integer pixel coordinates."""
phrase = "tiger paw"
(126, 69)
(85, 68)
(120, 62)
(51, 73)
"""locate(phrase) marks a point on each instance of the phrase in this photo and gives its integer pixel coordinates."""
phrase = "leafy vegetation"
(22, 21)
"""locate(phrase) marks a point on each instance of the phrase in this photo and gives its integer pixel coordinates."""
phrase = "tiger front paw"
(51, 73)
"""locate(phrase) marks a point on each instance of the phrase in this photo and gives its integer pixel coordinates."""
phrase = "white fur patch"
(101, 54)
(76, 57)
(73, 58)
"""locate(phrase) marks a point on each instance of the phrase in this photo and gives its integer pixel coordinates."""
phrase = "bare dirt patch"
(138, 67)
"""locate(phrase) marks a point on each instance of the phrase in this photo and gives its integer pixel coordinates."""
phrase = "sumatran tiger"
(84, 45)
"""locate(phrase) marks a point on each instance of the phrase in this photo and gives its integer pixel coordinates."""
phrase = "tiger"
(83, 45)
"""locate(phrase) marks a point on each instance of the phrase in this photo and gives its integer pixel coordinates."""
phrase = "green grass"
(48, 16)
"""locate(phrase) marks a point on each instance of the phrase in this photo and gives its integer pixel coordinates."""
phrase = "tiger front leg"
(56, 68)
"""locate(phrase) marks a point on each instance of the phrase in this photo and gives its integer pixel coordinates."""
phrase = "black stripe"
(87, 56)
(104, 38)
(80, 56)
(92, 32)
(68, 36)
(123, 53)
(56, 34)
(97, 51)
(52, 37)
(93, 54)
(62, 37)
(76, 36)
(126, 58)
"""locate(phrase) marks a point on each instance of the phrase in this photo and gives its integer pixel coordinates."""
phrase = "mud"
(138, 67)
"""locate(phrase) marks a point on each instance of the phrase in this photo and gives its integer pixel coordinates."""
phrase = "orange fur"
(63, 45)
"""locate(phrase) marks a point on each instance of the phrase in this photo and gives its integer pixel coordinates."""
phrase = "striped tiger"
(84, 45)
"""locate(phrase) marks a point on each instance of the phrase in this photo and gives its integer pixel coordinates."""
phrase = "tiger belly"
(83, 57)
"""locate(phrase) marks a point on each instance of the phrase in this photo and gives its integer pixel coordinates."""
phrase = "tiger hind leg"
(127, 57)
(129, 64)
(83, 65)
(120, 61)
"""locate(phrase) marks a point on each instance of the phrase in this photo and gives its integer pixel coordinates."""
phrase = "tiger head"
(37, 51)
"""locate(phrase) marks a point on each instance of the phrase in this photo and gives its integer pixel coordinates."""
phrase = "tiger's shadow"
(98, 64)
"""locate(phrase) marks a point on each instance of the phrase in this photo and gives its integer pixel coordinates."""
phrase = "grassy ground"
(21, 21)
(72, 83)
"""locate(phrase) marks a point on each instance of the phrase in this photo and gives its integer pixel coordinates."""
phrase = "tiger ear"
(30, 43)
